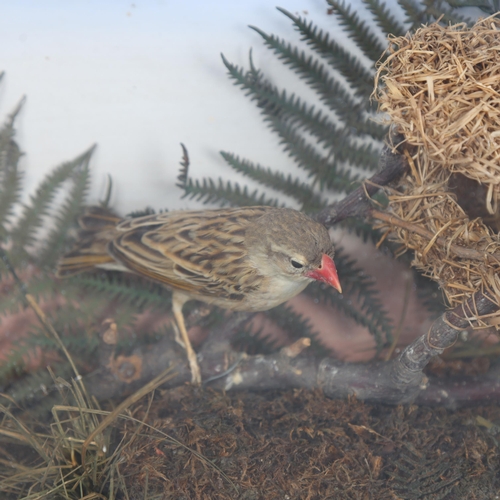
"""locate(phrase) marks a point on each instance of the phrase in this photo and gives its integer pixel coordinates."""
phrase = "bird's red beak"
(327, 272)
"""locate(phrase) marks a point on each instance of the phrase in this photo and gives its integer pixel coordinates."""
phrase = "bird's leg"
(178, 301)
(177, 335)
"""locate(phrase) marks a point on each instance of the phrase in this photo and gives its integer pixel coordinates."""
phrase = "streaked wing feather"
(198, 252)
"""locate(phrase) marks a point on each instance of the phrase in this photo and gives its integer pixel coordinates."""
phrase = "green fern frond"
(331, 92)
(362, 229)
(341, 147)
(360, 299)
(365, 318)
(23, 234)
(184, 170)
(277, 104)
(384, 19)
(14, 363)
(253, 342)
(357, 281)
(364, 156)
(304, 154)
(130, 292)
(358, 30)
(325, 169)
(142, 212)
(10, 184)
(359, 77)
(42, 287)
(10, 176)
(430, 295)
(414, 12)
(300, 191)
(70, 209)
(208, 191)
(37, 391)
(489, 7)
(296, 326)
(436, 9)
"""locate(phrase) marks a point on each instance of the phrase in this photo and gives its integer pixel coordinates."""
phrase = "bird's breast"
(271, 293)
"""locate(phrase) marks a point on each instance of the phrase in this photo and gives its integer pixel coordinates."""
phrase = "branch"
(443, 334)
(357, 203)
(398, 381)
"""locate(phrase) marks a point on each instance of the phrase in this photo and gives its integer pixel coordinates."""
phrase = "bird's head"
(289, 244)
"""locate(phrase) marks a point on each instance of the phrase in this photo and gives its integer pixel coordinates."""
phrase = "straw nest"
(441, 89)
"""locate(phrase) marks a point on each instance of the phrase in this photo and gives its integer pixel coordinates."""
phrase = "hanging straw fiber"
(440, 88)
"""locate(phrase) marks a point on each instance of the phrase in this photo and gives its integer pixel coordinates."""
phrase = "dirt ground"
(300, 445)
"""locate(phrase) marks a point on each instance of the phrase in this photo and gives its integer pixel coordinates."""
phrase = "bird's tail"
(98, 228)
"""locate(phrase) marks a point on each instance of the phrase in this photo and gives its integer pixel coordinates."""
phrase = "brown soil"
(301, 445)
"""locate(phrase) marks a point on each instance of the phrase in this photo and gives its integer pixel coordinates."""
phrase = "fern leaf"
(383, 18)
(359, 77)
(331, 92)
(362, 229)
(291, 108)
(14, 363)
(298, 190)
(37, 390)
(42, 287)
(367, 309)
(10, 188)
(358, 30)
(296, 145)
(436, 9)
(207, 191)
(414, 12)
(131, 292)
(10, 176)
(247, 339)
(183, 173)
(296, 326)
(23, 233)
(325, 169)
(69, 210)
(364, 156)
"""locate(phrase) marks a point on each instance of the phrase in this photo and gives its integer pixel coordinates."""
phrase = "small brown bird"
(242, 259)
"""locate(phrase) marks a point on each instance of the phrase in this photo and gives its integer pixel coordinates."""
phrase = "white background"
(138, 79)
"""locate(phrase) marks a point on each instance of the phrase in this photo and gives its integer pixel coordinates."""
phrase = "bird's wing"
(201, 252)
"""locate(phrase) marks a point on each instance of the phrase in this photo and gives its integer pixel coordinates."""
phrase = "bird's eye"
(296, 264)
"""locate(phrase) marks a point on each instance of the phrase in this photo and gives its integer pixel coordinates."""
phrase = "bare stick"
(357, 204)
(398, 381)
(442, 334)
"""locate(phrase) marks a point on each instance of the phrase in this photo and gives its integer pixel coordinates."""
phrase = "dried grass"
(441, 90)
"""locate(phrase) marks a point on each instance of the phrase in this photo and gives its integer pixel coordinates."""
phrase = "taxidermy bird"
(241, 259)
